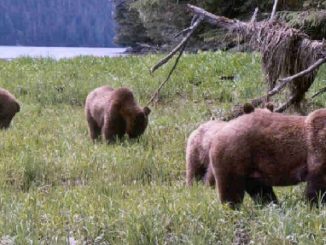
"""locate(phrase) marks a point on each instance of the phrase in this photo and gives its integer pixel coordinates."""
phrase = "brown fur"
(198, 145)
(9, 106)
(259, 150)
(197, 158)
(114, 112)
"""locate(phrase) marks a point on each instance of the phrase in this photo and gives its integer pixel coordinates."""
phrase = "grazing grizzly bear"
(259, 150)
(114, 112)
(9, 106)
(198, 145)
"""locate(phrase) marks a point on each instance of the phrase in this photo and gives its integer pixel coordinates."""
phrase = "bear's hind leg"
(231, 188)
(94, 130)
(209, 178)
(260, 193)
(195, 170)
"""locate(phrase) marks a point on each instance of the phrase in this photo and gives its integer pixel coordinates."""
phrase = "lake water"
(12, 52)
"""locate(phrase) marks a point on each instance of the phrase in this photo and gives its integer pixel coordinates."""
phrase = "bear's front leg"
(231, 188)
(109, 130)
(114, 126)
(260, 193)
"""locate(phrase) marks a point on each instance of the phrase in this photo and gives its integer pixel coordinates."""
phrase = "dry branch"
(254, 16)
(156, 94)
(286, 104)
(181, 45)
(286, 52)
(274, 10)
(323, 90)
(285, 81)
(216, 20)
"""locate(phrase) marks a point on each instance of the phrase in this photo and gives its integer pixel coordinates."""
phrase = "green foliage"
(55, 184)
(130, 29)
(312, 22)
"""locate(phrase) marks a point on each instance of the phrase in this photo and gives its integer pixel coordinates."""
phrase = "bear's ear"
(147, 110)
(270, 106)
(248, 108)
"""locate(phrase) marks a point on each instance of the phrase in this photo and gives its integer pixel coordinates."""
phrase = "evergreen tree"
(130, 30)
(56, 23)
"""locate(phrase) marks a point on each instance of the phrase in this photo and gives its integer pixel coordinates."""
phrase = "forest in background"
(56, 23)
(105, 23)
(156, 22)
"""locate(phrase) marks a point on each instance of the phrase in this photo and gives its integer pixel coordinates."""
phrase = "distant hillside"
(56, 23)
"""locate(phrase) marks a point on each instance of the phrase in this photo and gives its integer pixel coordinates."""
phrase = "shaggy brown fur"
(9, 106)
(259, 150)
(198, 145)
(114, 112)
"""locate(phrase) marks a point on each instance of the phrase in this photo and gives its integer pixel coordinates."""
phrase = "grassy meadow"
(57, 187)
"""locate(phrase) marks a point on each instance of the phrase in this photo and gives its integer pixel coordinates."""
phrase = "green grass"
(56, 184)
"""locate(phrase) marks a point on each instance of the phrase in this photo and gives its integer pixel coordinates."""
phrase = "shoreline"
(57, 53)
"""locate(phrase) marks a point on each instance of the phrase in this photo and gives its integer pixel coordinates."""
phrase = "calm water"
(11, 52)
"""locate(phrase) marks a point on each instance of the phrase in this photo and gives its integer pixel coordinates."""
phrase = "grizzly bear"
(257, 151)
(9, 106)
(114, 112)
(198, 145)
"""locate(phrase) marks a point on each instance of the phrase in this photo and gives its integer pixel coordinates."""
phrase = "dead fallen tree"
(289, 57)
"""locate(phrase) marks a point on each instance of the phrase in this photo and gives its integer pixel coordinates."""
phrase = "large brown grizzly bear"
(9, 106)
(259, 150)
(114, 112)
(198, 145)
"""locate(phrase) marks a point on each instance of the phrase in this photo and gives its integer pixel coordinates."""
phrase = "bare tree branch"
(276, 42)
(323, 90)
(286, 80)
(216, 20)
(254, 16)
(274, 10)
(168, 77)
(194, 18)
(286, 104)
(179, 46)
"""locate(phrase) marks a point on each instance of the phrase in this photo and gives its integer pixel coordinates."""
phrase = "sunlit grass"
(56, 185)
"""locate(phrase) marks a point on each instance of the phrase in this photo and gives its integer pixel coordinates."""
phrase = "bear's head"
(140, 123)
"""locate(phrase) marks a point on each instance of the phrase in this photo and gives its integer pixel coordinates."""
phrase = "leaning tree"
(289, 56)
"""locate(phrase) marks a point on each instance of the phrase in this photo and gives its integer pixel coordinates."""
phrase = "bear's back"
(270, 142)
(96, 102)
(263, 121)
(99, 97)
(269, 132)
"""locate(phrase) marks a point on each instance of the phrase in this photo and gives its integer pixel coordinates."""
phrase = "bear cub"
(9, 106)
(114, 112)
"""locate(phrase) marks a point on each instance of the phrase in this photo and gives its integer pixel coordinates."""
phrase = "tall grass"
(56, 185)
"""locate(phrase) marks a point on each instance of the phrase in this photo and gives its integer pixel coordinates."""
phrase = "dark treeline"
(56, 23)
(156, 22)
